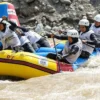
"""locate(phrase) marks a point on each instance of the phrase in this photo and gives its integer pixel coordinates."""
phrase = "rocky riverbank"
(64, 12)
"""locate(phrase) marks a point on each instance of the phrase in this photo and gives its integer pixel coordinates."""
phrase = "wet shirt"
(24, 40)
(9, 38)
(33, 36)
(96, 30)
(90, 44)
(67, 49)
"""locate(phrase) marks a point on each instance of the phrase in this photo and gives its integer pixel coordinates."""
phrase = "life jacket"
(33, 36)
(73, 57)
(10, 38)
(96, 30)
(86, 36)
(23, 40)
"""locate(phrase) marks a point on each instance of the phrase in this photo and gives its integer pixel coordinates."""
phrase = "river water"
(83, 84)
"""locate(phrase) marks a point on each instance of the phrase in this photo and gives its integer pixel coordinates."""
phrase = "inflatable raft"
(27, 65)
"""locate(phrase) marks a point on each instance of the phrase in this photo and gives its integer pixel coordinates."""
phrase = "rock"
(52, 10)
(17, 5)
(55, 1)
(66, 1)
(24, 13)
(81, 8)
(47, 28)
(83, 1)
(49, 9)
(29, 1)
(31, 19)
(36, 9)
(89, 13)
(67, 11)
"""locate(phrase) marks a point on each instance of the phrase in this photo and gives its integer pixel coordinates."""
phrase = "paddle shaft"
(56, 54)
(89, 45)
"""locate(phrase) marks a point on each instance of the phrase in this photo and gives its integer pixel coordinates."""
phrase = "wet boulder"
(68, 2)
(29, 1)
(55, 1)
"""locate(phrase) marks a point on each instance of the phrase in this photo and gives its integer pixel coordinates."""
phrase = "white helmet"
(97, 18)
(73, 33)
(84, 22)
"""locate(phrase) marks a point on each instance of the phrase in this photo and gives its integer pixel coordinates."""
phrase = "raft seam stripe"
(28, 64)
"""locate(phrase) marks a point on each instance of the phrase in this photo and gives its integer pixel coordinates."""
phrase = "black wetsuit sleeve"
(12, 27)
(12, 23)
(48, 35)
(94, 40)
(15, 25)
(74, 49)
(23, 29)
(61, 37)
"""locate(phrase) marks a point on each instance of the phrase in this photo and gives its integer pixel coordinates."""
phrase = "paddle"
(97, 49)
(89, 45)
(56, 54)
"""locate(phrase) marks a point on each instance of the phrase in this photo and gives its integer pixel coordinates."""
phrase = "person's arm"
(20, 33)
(12, 23)
(23, 29)
(15, 25)
(61, 37)
(94, 40)
(12, 27)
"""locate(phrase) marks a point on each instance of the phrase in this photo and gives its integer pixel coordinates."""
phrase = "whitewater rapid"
(83, 84)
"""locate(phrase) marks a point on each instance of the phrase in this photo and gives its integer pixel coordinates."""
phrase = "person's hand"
(52, 35)
(18, 31)
(59, 57)
(84, 41)
(22, 34)
(60, 31)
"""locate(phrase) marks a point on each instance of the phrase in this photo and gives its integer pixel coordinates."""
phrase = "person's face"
(1, 27)
(82, 28)
(97, 23)
(70, 39)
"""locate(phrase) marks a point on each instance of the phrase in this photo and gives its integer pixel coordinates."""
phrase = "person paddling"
(88, 38)
(96, 28)
(25, 43)
(72, 49)
(9, 38)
